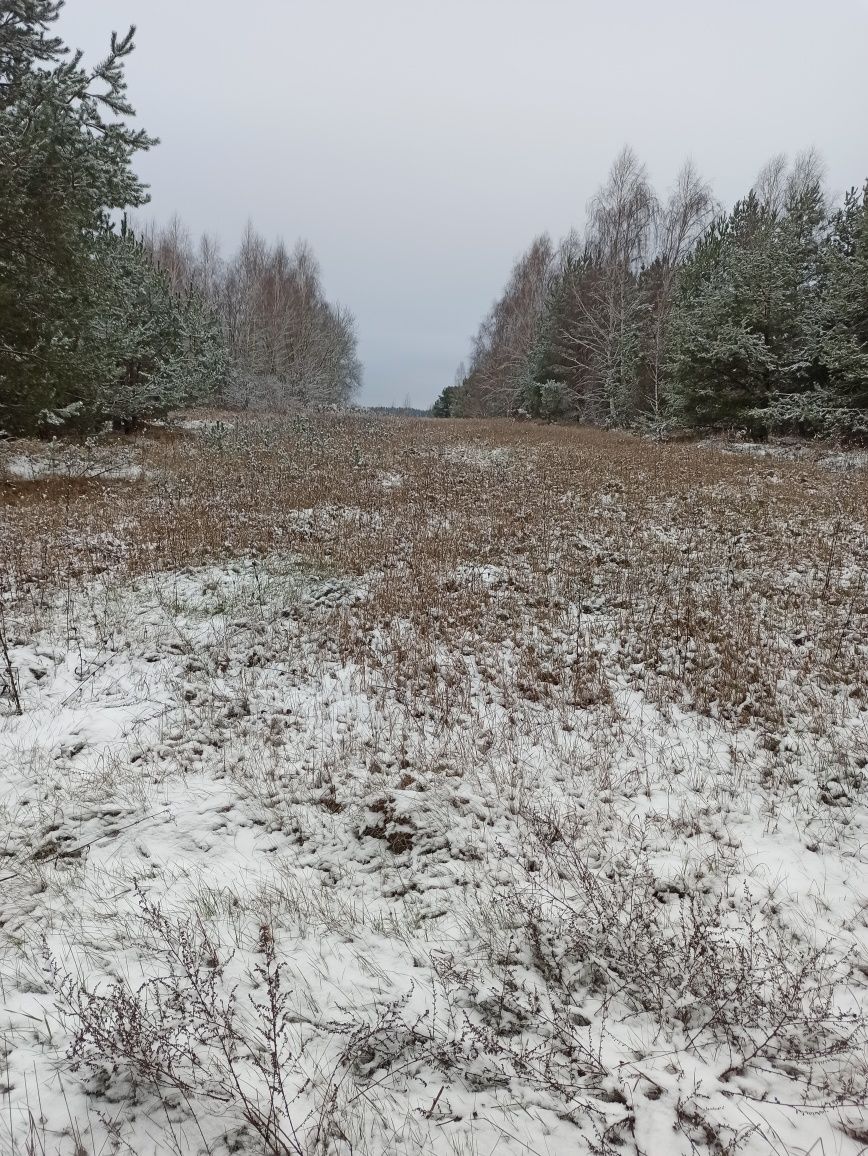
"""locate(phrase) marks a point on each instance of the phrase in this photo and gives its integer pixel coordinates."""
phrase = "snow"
(60, 461)
(832, 459)
(30, 470)
(203, 740)
(475, 454)
(389, 480)
(204, 425)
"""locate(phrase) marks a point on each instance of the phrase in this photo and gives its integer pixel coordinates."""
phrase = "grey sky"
(420, 145)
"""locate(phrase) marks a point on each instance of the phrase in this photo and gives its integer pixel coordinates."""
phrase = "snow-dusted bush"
(820, 413)
(708, 963)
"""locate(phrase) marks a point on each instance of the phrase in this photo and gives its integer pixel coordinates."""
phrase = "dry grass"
(724, 575)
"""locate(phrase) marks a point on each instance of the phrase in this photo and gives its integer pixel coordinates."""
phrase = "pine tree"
(67, 150)
(445, 404)
(738, 335)
(843, 336)
(766, 331)
(714, 358)
(164, 346)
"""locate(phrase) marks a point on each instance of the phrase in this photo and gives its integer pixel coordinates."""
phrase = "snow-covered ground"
(291, 862)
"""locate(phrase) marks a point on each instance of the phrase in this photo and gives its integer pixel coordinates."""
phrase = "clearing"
(394, 787)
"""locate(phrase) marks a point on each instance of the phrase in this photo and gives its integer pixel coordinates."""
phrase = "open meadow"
(413, 787)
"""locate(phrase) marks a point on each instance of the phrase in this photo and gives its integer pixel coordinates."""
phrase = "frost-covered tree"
(67, 147)
(679, 224)
(613, 310)
(843, 324)
(758, 328)
(287, 344)
(674, 311)
(828, 390)
(592, 326)
(290, 345)
(165, 342)
(721, 360)
(599, 326)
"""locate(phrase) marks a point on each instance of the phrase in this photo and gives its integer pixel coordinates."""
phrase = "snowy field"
(447, 788)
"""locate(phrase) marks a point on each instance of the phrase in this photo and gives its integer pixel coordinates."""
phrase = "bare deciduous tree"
(592, 319)
(681, 221)
(502, 346)
(288, 344)
(603, 310)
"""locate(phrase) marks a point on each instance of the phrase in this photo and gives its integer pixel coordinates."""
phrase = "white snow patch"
(30, 468)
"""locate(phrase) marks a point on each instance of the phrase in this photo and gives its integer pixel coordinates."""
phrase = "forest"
(665, 312)
(102, 321)
(669, 312)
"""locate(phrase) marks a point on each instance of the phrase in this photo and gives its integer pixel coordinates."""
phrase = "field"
(407, 787)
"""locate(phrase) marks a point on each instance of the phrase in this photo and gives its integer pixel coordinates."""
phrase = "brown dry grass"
(725, 576)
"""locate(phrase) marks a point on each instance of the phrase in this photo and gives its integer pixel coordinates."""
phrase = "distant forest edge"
(665, 312)
(673, 313)
(99, 324)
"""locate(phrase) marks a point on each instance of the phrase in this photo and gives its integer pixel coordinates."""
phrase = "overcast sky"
(419, 146)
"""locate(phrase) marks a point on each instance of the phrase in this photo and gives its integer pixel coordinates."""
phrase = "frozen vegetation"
(389, 787)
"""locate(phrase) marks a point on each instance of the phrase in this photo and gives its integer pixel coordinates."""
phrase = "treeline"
(97, 323)
(285, 343)
(672, 312)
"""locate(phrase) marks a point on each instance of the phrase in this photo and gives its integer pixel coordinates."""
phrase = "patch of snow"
(205, 425)
(851, 459)
(29, 468)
